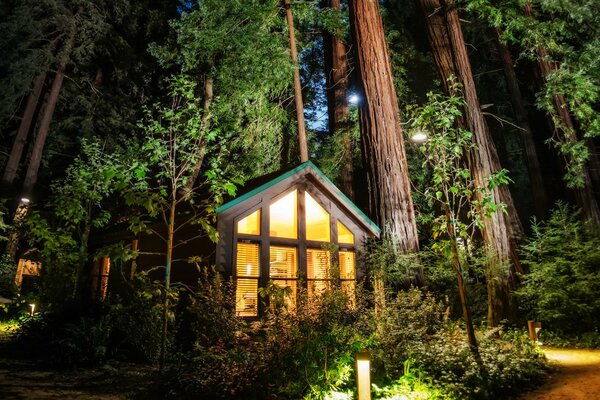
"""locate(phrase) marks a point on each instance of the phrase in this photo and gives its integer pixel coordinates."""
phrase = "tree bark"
(501, 231)
(538, 191)
(337, 72)
(302, 141)
(44, 127)
(390, 201)
(16, 152)
(584, 195)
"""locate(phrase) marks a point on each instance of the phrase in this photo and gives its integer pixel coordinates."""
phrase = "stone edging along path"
(577, 376)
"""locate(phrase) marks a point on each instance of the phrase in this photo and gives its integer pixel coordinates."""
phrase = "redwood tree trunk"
(16, 152)
(337, 72)
(44, 125)
(584, 195)
(501, 231)
(302, 141)
(390, 201)
(540, 199)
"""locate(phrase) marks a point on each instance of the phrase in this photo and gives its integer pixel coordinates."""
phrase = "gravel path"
(577, 376)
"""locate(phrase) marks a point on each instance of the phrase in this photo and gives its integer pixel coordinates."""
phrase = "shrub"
(562, 286)
(136, 318)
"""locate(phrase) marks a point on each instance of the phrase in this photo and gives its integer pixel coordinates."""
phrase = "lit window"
(348, 274)
(317, 220)
(344, 234)
(283, 267)
(283, 220)
(250, 225)
(318, 266)
(247, 273)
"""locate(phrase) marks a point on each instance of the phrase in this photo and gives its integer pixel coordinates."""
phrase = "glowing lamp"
(353, 99)
(25, 200)
(32, 307)
(363, 376)
(420, 136)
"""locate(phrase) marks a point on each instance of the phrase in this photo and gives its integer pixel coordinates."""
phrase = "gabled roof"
(304, 169)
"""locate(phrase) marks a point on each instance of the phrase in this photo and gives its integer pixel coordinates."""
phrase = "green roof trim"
(286, 175)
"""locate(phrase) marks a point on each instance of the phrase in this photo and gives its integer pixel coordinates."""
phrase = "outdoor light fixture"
(353, 99)
(420, 136)
(25, 200)
(32, 307)
(363, 375)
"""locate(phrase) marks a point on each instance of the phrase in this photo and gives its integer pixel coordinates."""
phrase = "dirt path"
(24, 380)
(577, 376)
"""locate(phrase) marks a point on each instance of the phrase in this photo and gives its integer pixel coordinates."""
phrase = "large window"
(295, 218)
(247, 270)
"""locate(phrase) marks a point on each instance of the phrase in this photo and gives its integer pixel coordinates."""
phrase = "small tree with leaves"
(462, 203)
(175, 139)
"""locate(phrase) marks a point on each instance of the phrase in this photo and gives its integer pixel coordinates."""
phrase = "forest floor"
(577, 376)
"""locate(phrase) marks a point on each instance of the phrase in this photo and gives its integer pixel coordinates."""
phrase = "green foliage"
(566, 37)
(414, 384)
(463, 204)
(407, 321)
(563, 257)
(135, 316)
(415, 327)
(77, 205)
(241, 49)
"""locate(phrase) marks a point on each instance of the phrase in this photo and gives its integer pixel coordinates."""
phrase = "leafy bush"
(64, 338)
(562, 286)
(414, 327)
(136, 315)
(508, 365)
(414, 384)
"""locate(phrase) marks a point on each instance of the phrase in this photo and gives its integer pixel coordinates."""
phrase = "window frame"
(265, 241)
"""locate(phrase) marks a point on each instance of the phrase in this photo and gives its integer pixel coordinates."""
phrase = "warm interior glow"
(247, 260)
(283, 220)
(246, 297)
(317, 220)
(284, 264)
(344, 234)
(318, 268)
(347, 265)
(283, 261)
(250, 225)
(247, 273)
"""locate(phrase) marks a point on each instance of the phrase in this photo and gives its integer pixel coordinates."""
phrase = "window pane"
(290, 299)
(283, 220)
(317, 220)
(246, 297)
(247, 260)
(316, 288)
(250, 225)
(283, 262)
(347, 268)
(318, 264)
(344, 234)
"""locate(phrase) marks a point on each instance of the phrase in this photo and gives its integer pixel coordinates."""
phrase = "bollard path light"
(363, 375)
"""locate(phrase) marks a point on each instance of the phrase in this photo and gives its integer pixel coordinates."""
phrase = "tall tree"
(337, 72)
(44, 126)
(501, 231)
(302, 140)
(565, 127)
(540, 198)
(390, 201)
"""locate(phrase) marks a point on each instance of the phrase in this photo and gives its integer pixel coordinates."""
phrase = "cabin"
(296, 228)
